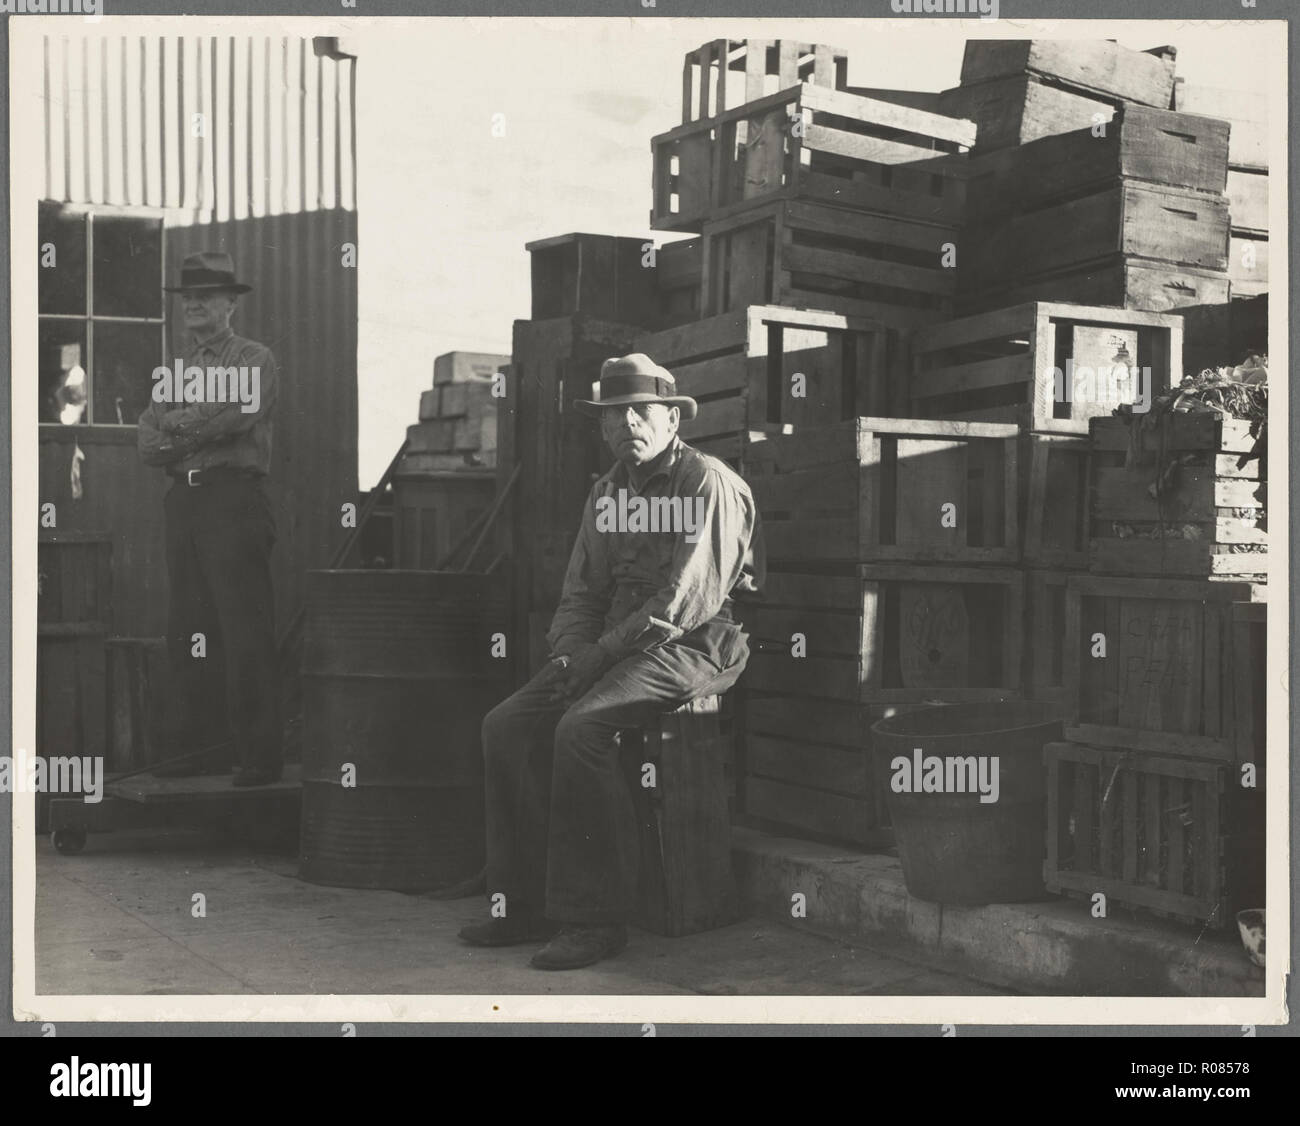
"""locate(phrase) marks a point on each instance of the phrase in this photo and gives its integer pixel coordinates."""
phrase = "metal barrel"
(955, 848)
(397, 675)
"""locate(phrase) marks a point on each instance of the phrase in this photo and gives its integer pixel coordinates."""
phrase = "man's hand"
(586, 666)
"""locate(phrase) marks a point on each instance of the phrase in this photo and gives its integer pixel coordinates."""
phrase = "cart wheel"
(69, 841)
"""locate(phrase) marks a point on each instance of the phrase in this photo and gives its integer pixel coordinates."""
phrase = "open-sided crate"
(889, 634)
(1171, 499)
(1150, 665)
(1145, 830)
(817, 256)
(813, 143)
(875, 489)
(1026, 364)
(741, 368)
(767, 65)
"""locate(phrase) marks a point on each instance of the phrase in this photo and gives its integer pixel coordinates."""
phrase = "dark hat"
(208, 269)
(635, 379)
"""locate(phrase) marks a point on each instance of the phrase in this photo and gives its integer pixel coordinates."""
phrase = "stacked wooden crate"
(458, 417)
(1130, 213)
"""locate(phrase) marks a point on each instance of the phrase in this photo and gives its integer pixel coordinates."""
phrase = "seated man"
(669, 536)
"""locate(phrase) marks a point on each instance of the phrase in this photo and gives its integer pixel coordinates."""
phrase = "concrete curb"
(1053, 947)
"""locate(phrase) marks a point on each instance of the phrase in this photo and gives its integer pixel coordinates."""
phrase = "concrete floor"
(117, 920)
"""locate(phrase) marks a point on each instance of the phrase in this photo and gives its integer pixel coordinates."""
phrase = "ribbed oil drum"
(397, 674)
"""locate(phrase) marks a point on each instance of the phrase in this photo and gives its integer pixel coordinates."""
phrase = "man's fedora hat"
(635, 379)
(208, 269)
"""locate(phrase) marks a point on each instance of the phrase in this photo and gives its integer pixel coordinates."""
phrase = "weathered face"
(207, 311)
(639, 432)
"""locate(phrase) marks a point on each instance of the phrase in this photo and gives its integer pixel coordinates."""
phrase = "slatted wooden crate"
(679, 270)
(1140, 144)
(1128, 282)
(1133, 219)
(1144, 830)
(1098, 66)
(1227, 333)
(767, 65)
(1209, 517)
(1165, 681)
(815, 256)
(741, 365)
(811, 143)
(1002, 366)
(603, 276)
(874, 489)
(75, 577)
(1054, 496)
(808, 769)
(1021, 108)
(889, 634)
(1044, 649)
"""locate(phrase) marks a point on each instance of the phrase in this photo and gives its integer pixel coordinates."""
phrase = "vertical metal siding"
(278, 136)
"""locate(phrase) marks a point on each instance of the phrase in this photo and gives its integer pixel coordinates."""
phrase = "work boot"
(577, 946)
(510, 931)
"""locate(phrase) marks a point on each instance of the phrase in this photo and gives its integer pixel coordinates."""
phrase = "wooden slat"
(822, 768)
(820, 721)
(978, 375)
(1016, 321)
(891, 115)
(857, 268)
(818, 489)
(820, 138)
(816, 811)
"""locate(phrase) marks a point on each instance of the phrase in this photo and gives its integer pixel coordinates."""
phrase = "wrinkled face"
(207, 311)
(639, 432)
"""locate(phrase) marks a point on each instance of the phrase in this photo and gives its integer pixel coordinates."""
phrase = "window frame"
(87, 212)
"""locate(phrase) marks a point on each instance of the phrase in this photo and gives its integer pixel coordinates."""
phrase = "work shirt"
(630, 591)
(214, 435)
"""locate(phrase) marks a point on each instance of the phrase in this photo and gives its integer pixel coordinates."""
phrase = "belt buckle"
(189, 478)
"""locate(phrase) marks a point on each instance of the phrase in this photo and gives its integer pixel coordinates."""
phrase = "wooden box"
(685, 882)
(875, 489)
(74, 577)
(765, 66)
(888, 634)
(812, 143)
(1054, 495)
(1021, 108)
(1094, 65)
(1118, 279)
(1163, 677)
(741, 367)
(808, 769)
(815, 256)
(1209, 518)
(1215, 335)
(1019, 364)
(601, 276)
(1144, 830)
(1140, 144)
(679, 270)
(432, 512)
(1130, 218)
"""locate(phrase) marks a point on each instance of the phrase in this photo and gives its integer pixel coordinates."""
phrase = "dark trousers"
(219, 538)
(562, 837)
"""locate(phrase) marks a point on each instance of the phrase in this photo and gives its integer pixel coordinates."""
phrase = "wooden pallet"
(740, 366)
(1145, 830)
(768, 65)
(1096, 66)
(809, 770)
(817, 256)
(1140, 144)
(812, 143)
(1054, 496)
(1140, 284)
(1001, 365)
(1021, 108)
(1166, 683)
(1203, 492)
(1129, 218)
(889, 634)
(875, 489)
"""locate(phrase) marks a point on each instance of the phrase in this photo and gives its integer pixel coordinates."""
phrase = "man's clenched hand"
(586, 666)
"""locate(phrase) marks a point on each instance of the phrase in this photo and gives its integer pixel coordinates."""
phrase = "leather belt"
(196, 477)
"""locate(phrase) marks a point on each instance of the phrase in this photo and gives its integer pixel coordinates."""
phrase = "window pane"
(128, 267)
(62, 371)
(62, 286)
(125, 356)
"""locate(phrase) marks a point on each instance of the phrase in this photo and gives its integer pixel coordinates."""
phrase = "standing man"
(219, 528)
(668, 538)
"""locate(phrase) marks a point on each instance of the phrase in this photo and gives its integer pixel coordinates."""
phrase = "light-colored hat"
(635, 378)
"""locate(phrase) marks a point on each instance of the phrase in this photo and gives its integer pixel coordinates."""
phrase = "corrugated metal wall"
(222, 127)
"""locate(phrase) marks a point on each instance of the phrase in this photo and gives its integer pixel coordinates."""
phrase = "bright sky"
(445, 207)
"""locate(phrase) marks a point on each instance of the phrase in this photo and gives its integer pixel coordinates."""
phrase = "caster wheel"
(69, 842)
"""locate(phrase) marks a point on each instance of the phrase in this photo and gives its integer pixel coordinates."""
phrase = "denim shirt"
(630, 591)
